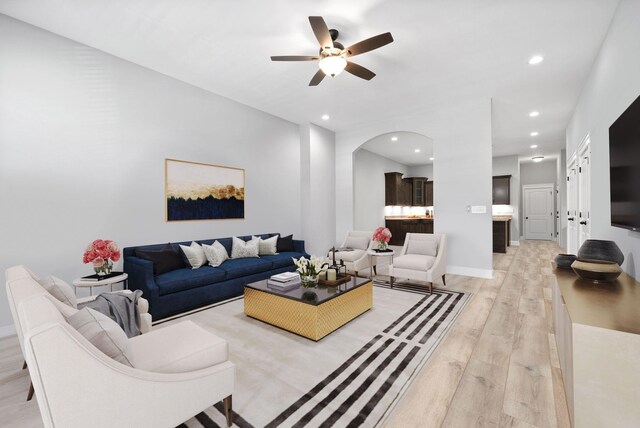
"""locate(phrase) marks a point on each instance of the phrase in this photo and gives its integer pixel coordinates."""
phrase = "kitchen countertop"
(501, 218)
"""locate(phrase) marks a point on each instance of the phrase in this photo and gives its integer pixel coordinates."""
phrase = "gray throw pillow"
(357, 242)
(425, 248)
(267, 247)
(216, 253)
(103, 333)
(241, 249)
(60, 290)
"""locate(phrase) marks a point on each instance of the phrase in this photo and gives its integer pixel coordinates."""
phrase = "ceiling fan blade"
(359, 71)
(321, 31)
(294, 58)
(369, 44)
(317, 78)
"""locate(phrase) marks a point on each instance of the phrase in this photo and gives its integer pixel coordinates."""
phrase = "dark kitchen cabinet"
(419, 191)
(428, 198)
(501, 190)
(397, 191)
(399, 228)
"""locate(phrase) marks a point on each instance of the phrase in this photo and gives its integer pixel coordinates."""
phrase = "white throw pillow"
(60, 290)
(195, 255)
(267, 247)
(357, 242)
(103, 333)
(216, 253)
(241, 249)
(425, 248)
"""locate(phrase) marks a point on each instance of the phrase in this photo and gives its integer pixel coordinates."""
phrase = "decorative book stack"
(284, 281)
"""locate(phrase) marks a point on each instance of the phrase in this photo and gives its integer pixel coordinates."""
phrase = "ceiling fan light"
(332, 65)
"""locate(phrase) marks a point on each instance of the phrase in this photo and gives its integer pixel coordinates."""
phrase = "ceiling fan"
(333, 55)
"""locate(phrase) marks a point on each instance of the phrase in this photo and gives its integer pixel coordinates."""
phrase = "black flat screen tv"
(624, 168)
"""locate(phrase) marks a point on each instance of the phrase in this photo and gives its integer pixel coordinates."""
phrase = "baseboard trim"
(467, 271)
(515, 243)
(7, 330)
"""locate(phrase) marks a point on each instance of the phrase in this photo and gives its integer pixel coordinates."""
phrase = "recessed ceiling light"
(417, 150)
(534, 146)
(534, 114)
(536, 59)
(431, 158)
(394, 138)
(537, 158)
(534, 134)
(326, 117)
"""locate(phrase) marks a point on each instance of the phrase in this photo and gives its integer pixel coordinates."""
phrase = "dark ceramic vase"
(596, 249)
(563, 261)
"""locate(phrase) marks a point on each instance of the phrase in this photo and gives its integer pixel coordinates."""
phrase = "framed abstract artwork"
(199, 191)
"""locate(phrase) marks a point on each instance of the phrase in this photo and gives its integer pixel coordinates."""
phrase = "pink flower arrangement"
(382, 234)
(101, 252)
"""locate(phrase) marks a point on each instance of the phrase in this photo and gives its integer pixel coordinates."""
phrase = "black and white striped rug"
(359, 388)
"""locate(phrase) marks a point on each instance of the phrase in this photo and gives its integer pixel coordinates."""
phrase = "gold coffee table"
(309, 312)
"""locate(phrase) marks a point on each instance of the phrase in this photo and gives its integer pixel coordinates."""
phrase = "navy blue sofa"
(184, 289)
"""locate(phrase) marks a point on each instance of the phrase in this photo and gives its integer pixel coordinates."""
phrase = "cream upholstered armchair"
(423, 258)
(176, 371)
(22, 283)
(356, 259)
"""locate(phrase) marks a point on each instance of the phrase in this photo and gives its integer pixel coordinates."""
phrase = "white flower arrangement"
(311, 267)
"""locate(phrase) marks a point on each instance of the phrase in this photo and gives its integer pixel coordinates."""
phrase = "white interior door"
(538, 211)
(584, 198)
(572, 208)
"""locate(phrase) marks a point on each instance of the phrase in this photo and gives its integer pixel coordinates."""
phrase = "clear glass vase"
(105, 269)
(309, 281)
(382, 245)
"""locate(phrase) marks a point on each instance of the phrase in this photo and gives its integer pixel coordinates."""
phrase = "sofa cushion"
(165, 260)
(103, 333)
(347, 256)
(187, 278)
(285, 244)
(414, 262)
(194, 254)
(60, 290)
(243, 249)
(357, 242)
(427, 248)
(216, 253)
(282, 260)
(236, 268)
(178, 348)
(268, 246)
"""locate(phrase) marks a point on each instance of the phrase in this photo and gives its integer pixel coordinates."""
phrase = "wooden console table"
(597, 328)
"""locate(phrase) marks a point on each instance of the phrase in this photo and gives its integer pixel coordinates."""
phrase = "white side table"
(79, 282)
(372, 254)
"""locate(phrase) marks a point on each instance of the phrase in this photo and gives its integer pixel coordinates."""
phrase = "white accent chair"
(179, 370)
(423, 258)
(358, 259)
(22, 283)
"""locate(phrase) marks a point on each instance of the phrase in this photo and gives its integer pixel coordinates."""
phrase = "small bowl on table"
(564, 261)
(597, 270)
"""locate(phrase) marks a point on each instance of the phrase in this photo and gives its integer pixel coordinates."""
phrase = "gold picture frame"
(200, 191)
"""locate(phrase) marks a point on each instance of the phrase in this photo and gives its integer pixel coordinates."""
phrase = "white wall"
(317, 184)
(421, 171)
(462, 177)
(83, 137)
(369, 188)
(613, 84)
(508, 165)
(544, 172)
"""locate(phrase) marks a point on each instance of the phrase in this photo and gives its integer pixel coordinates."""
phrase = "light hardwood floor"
(497, 367)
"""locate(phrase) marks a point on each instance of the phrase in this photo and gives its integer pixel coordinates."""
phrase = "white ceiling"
(445, 52)
(403, 149)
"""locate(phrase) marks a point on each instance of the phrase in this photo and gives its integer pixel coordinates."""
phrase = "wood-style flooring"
(498, 366)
